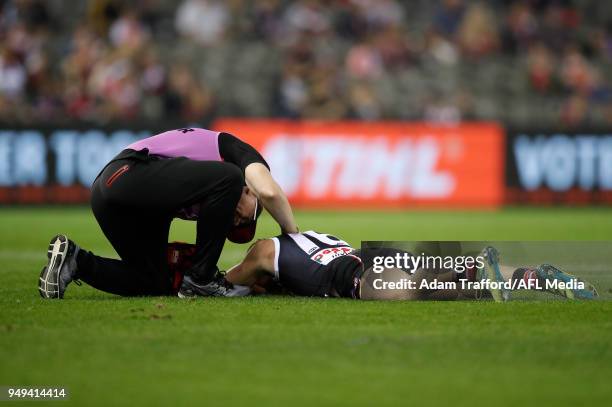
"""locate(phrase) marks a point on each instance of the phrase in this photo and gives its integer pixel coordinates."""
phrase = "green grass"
(296, 351)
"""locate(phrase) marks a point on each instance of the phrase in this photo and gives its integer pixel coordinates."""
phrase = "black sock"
(519, 273)
(82, 261)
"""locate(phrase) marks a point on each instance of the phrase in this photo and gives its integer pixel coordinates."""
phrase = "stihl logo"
(351, 167)
(350, 164)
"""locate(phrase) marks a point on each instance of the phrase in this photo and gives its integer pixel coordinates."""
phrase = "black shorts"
(316, 265)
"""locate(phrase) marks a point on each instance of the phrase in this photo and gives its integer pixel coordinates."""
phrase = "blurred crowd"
(533, 62)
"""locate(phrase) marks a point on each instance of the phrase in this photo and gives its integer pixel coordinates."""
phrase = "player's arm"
(258, 262)
(272, 197)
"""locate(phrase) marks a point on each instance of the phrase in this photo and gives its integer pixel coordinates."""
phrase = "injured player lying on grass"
(321, 265)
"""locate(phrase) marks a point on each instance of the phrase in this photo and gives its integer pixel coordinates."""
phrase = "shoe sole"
(589, 292)
(58, 249)
(199, 291)
(181, 295)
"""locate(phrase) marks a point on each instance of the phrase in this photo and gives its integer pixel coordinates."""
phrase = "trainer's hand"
(297, 230)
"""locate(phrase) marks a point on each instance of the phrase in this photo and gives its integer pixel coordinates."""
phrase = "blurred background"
(382, 120)
(538, 62)
(537, 68)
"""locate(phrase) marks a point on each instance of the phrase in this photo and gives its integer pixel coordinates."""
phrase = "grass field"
(293, 351)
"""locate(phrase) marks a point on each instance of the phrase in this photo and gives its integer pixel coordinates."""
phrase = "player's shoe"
(491, 272)
(551, 273)
(60, 269)
(218, 287)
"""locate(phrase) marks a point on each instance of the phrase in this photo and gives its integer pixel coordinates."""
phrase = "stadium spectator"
(574, 111)
(266, 20)
(292, 91)
(203, 21)
(557, 26)
(541, 67)
(577, 74)
(306, 16)
(363, 103)
(13, 75)
(380, 14)
(394, 48)
(102, 13)
(448, 17)
(325, 100)
(186, 97)
(477, 33)
(364, 61)
(349, 21)
(602, 41)
(383, 59)
(33, 13)
(520, 28)
(128, 31)
(440, 109)
(153, 76)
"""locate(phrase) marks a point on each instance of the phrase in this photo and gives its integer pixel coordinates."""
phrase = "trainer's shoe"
(551, 273)
(492, 273)
(60, 269)
(218, 287)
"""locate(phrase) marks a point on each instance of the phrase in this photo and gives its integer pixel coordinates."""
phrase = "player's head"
(245, 217)
(384, 286)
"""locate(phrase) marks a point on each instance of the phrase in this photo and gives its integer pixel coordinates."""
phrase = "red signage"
(361, 164)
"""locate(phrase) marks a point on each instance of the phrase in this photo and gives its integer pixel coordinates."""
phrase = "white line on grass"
(231, 255)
